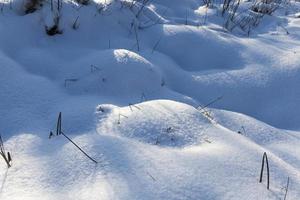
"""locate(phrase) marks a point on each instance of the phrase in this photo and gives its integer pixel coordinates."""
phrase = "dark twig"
(286, 188)
(265, 159)
(210, 103)
(133, 105)
(79, 148)
(58, 125)
(186, 17)
(137, 38)
(94, 68)
(244, 131)
(75, 25)
(59, 132)
(51, 3)
(142, 8)
(70, 80)
(121, 115)
(156, 45)
(6, 157)
(143, 97)
(151, 176)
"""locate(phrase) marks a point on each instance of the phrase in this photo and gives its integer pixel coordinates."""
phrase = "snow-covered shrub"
(226, 6)
(266, 6)
(246, 21)
(208, 3)
(83, 2)
(32, 5)
(23, 7)
(231, 13)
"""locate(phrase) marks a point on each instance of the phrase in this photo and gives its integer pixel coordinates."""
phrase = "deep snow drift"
(128, 84)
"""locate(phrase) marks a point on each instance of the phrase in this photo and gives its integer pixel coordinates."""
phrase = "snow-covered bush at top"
(23, 7)
(266, 6)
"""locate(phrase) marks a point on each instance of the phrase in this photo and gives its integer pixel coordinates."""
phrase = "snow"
(129, 88)
(153, 123)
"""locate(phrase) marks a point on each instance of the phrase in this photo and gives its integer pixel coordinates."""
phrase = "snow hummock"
(163, 123)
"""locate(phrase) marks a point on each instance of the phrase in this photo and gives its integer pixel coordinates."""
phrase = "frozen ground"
(132, 105)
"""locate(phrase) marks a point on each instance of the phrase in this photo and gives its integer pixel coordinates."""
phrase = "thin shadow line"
(3, 181)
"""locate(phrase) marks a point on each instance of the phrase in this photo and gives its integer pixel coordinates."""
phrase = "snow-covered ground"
(128, 82)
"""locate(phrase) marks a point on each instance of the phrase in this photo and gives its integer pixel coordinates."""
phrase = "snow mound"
(278, 141)
(160, 122)
(257, 131)
(199, 48)
(115, 72)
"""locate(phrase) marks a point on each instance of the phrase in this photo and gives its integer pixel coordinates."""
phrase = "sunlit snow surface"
(133, 106)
